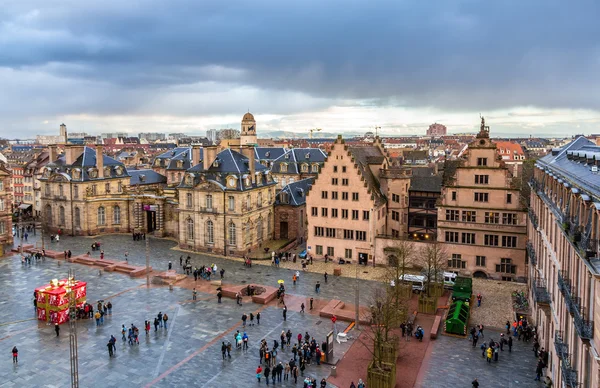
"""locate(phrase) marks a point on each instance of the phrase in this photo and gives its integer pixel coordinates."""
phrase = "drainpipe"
(72, 223)
(224, 225)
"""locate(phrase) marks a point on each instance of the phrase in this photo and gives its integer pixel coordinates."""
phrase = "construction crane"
(313, 130)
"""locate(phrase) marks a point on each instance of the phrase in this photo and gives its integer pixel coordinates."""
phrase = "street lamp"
(74, 357)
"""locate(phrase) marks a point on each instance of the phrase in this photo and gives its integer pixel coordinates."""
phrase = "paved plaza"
(453, 362)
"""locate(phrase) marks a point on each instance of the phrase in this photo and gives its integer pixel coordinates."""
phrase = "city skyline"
(103, 67)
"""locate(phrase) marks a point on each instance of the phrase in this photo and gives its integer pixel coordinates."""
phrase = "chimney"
(210, 153)
(69, 159)
(63, 133)
(52, 153)
(99, 161)
(248, 151)
(195, 154)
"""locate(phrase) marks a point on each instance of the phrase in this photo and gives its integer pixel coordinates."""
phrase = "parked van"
(417, 282)
(449, 279)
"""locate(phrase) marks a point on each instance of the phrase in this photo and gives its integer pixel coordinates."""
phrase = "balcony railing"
(208, 210)
(573, 304)
(569, 375)
(584, 328)
(564, 284)
(551, 205)
(533, 218)
(540, 292)
(531, 253)
(562, 349)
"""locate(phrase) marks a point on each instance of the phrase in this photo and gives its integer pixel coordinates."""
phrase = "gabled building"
(174, 163)
(6, 234)
(266, 155)
(290, 211)
(481, 219)
(226, 203)
(423, 195)
(297, 164)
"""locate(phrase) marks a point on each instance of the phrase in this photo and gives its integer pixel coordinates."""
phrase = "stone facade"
(6, 235)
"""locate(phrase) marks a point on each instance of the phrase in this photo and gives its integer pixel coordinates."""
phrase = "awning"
(24, 206)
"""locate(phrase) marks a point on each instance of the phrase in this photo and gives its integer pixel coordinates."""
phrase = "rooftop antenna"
(376, 129)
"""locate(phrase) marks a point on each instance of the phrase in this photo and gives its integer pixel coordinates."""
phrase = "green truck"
(457, 318)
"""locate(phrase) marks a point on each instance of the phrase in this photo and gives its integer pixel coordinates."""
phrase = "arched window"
(305, 168)
(232, 234)
(248, 232)
(315, 168)
(61, 215)
(259, 229)
(101, 215)
(190, 229)
(77, 217)
(210, 232)
(49, 214)
(116, 214)
(188, 197)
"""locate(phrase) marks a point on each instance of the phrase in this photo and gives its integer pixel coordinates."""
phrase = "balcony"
(533, 218)
(208, 210)
(584, 328)
(588, 247)
(60, 197)
(569, 375)
(562, 349)
(533, 183)
(531, 253)
(540, 292)
(573, 304)
(564, 284)
(551, 205)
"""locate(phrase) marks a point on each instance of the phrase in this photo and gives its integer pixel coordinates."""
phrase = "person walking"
(489, 354)
(170, 265)
(156, 324)
(302, 308)
(160, 318)
(15, 355)
(475, 383)
(258, 318)
(539, 369)
(194, 293)
(284, 313)
(317, 287)
(267, 372)
(259, 373)
(110, 349)
(224, 351)
(479, 300)
(510, 342)
(165, 319)
(57, 329)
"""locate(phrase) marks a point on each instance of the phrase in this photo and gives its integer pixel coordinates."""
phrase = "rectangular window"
(231, 200)
(469, 216)
(94, 189)
(75, 191)
(345, 196)
(323, 194)
(319, 231)
(395, 215)
(509, 218)
(355, 196)
(482, 179)
(492, 218)
(314, 211)
(330, 251)
(344, 181)
(395, 198)
(330, 232)
(482, 161)
(334, 195)
(348, 234)
(334, 213)
(490, 240)
(452, 215)
(334, 168)
(452, 237)
(395, 233)
(365, 215)
(361, 236)
(454, 195)
(209, 202)
(480, 261)
(506, 266)
(323, 212)
(468, 238)
(319, 249)
(456, 262)
(355, 214)
(348, 254)
(481, 197)
(509, 241)
(334, 181)
(509, 198)
(343, 168)
(345, 213)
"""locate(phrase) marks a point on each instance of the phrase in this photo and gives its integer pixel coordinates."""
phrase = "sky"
(530, 67)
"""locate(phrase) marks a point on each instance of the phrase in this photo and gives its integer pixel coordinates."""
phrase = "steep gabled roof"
(363, 156)
(295, 192)
(146, 177)
(296, 157)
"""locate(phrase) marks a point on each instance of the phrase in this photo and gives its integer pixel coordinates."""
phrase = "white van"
(449, 279)
(417, 282)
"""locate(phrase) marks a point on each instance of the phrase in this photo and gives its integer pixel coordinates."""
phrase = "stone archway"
(480, 275)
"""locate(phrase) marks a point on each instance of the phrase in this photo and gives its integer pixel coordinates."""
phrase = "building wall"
(6, 235)
(395, 183)
(295, 217)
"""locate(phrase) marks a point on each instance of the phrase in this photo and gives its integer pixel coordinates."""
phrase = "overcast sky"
(530, 67)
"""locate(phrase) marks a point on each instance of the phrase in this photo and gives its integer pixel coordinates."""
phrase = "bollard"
(333, 371)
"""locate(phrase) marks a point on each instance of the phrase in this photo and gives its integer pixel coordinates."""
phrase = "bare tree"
(434, 260)
(404, 258)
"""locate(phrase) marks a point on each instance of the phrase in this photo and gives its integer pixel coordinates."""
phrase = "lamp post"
(74, 357)
(147, 262)
(356, 298)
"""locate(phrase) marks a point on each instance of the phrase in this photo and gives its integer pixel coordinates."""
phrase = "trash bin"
(333, 371)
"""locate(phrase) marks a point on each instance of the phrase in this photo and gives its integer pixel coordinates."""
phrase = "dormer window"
(107, 171)
(231, 181)
(307, 156)
(216, 163)
(93, 173)
(119, 170)
(189, 179)
(267, 154)
(304, 168)
(284, 197)
(315, 168)
(180, 164)
(248, 182)
(287, 156)
(283, 167)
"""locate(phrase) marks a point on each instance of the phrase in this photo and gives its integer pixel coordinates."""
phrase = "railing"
(533, 218)
(562, 349)
(564, 284)
(208, 210)
(584, 328)
(533, 183)
(574, 305)
(531, 253)
(588, 246)
(551, 205)
(540, 292)
(569, 375)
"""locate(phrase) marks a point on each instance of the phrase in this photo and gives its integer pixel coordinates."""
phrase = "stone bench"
(139, 271)
(104, 263)
(87, 260)
(17, 249)
(436, 327)
(268, 295)
(328, 310)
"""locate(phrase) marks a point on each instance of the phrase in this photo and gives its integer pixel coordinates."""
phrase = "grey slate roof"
(268, 154)
(363, 156)
(575, 171)
(432, 184)
(85, 162)
(294, 159)
(171, 157)
(294, 193)
(227, 163)
(146, 177)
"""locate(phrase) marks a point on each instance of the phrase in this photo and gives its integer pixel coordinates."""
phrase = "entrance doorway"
(150, 221)
(363, 258)
(283, 230)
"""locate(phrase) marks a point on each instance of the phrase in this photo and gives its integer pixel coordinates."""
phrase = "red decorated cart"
(53, 299)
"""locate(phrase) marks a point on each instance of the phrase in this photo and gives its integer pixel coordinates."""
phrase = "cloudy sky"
(530, 67)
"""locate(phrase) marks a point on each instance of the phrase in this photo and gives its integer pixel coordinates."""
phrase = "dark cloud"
(116, 56)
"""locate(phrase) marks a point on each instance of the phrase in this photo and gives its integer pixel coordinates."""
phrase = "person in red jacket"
(259, 373)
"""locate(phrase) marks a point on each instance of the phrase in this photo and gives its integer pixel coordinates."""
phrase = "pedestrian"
(244, 317)
(507, 327)
(156, 324)
(311, 302)
(57, 329)
(160, 320)
(284, 313)
(123, 331)
(510, 342)
(181, 261)
(170, 265)
(258, 318)
(489, 353)
(295, 374)
(222, 272)
(15, 355)
(259, 373)
(245, 341)
(228, 349)
(224, 351)
(165, 319)
(323, 383)
(299, 339)
(478, 300)
(317, 287)
(539, 369)
(481, 330)
(475, 383)
(267, 372)
(147, 327)
(110, 349)
(126, 256)
(325, 276)
(194, 293)
(219, 296)
(109, 306)
(302, 308)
